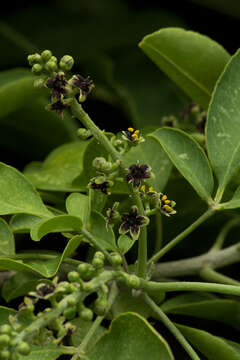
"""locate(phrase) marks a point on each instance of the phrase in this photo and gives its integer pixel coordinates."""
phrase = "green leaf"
(61, 223)
(223, 124)
(125, 243)
(17, 195)
(82, 328)
(78, 205)
(203, 306)
(160, 164)
(193, 61)
(19, 284)
(22, 223)
(59, 169)
(213, 347)
(46, 352)
(189, 158)
(131, 337)
(234, 202)
(4, 314)
(105, 237)
(7, 241)
(44, 267)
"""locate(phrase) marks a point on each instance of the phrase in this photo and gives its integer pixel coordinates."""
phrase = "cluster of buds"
(55, 75)
(8, 350)
(158, 200)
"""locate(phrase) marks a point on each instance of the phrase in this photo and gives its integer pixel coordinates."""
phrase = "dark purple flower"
(132, 222)
(100, 183)
(57, 86)
(58, 106)
(137, 173)
(84, 84)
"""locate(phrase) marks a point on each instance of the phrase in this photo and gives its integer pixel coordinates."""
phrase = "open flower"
(57, 85)
(132, 222)
(166, 206)
(100, 183)
(58, 106)
(84, 84)
(137, 173)
(132, 136)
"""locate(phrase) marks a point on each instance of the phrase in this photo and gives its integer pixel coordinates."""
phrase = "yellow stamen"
(164, 198)
(134, 136)
(130, 129)
(167, 201)
(167, 207)
(143, 188)
(136, 132)
(150, 188)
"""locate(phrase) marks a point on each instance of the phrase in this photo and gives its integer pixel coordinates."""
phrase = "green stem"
(224, 232)
(99, 135)
(171, 327)
(81, 348)
(189, 286)
(182, 235)
(211, 275)
(159, 232)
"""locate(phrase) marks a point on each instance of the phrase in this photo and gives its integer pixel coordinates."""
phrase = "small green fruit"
(23, 348)
(86, 314)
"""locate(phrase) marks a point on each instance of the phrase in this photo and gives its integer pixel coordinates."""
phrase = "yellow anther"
(167, 207)
(164, 197)
(150, 188)
(143, 188)
(137, 132)
(130, 129)
(167, 201)
(134, 136)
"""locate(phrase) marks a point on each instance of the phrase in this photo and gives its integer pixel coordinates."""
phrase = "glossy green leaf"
(4, 314)
(105, 237)
(59, 169)
(189, 158)
(160, 164)
(213, 347)
(17, 195)
(193, 61)
(7, 241)
(45, 267)
(131, 337)
(61, 223)
(125, 243)
(46, 352)
(82, 328)
(78, 205)
(19, 284)
(223, 124)
(204, 306)
(22, 223)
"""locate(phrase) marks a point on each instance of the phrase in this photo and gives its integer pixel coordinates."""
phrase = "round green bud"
(71, 301)
(97, 263)
(23, 348)
(84, 269)
(37, 69)
(116, 259)
(70, 313)
(99, 255)
(4, 339)
(133, 281)
(34, 59)
(88, 287)
(51, 66)
(86, 314)
(73, 276)
(83, 133)
(54, 59)
(66, 63)
(46, 55)
(5, 355)
(6, 329)
(100, 307)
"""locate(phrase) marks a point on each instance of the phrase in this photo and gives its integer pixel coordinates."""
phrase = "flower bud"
(73, 276)
(34, 59)
(23, 348)
(46, 55)
(66, 63)
(86, 314)
(133, 281)
(97, 263)
(84, 133)
(100, 307)
(4, 340)
(54, 59)
(70, 313)
(51, 66)
(6, 329)
(5, 355)
(71, 301)
(85, 270)
(88, 287)
(37, 69)
(116, 259)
